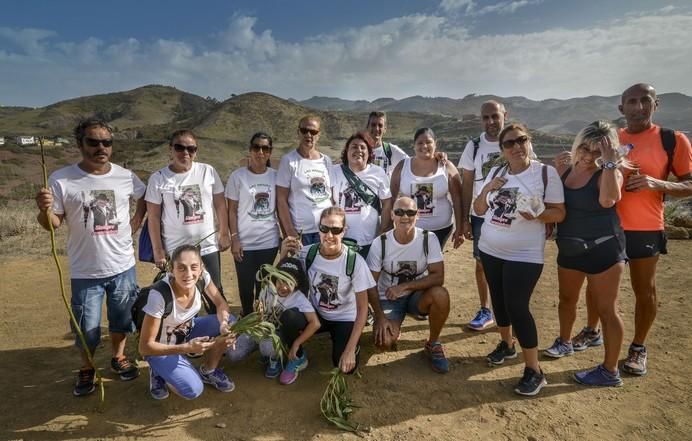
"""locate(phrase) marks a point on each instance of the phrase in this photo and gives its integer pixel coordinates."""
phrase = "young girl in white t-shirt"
(164, 340)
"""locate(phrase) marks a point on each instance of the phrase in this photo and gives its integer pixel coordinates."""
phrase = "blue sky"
(53, 50)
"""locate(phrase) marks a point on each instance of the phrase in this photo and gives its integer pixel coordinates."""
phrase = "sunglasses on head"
(93, 142)
(401, 212)
(509, 143)
(335, 230)
(264, 148)
(305, 131)
(191, 149)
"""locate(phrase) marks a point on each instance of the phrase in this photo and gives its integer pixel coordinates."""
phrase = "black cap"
(294, 267)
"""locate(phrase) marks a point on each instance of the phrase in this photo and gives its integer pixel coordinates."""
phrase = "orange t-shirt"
(643, 210)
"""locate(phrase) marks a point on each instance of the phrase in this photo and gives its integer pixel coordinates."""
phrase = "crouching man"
(408, 266)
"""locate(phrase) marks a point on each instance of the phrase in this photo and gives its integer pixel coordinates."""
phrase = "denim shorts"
(120, 291)
(397, 309)
(476, 225)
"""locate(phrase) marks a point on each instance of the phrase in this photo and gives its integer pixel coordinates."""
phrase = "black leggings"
(511, 285)
(248, 286)
(340, 333)
(212, 263)
(292, 323)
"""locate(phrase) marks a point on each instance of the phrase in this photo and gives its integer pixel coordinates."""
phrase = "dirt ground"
(401, 398)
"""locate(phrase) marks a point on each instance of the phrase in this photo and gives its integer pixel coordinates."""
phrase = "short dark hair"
(182, 132)
(80, 130)
(182, 249)
(261, 135)
(377, 114)
(367, 139)
(423, 131)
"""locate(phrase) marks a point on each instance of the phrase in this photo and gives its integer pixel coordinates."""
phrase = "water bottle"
(623, 150)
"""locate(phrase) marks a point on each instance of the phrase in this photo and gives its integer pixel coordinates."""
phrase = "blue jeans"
(87, 296)
(310, 238)
(397, 309)
(176, 370)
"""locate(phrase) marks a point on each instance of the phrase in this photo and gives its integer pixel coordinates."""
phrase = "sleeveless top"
(431, 194)
(586, 218)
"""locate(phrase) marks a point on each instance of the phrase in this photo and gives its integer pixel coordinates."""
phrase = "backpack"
(164, 288)
(383, 239)
(387, 148)
(668, 141)
(476, 145)
(350, 258)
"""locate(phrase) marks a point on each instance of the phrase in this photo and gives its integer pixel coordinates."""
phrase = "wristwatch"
(609, 165)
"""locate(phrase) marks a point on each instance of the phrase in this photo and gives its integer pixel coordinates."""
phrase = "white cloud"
(470, 8)
(413, 55)
(457, 5)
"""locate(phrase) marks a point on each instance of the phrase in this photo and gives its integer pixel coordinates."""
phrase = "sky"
(352, 49)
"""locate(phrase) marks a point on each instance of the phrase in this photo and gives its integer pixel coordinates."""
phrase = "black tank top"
(586, 218)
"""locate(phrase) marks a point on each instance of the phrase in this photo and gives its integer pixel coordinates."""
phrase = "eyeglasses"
(335, 230)
(93, 142)
(509, 143)
(191, 149)
(305, 131)
(265, 148)
(401, 212)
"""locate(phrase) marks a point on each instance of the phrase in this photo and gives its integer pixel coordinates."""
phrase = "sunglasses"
(264, 148)
(93, 142)
(401, 212)
(305, 131)
(509, 143)
(585, 148)
(191, 149)
(335, 230)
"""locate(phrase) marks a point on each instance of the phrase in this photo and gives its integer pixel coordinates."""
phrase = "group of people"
(364, 237)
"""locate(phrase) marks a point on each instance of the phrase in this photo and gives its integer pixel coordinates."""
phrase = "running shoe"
(559, 349)
(436, 354)
(598, 376)
(85, 382)
(273, 368)
(217, 378)
(587, 338)
(636, 361)
(531, 383)
(157, 386)
(126, 370)
(293, 367)
(483, 319)
(501, 352)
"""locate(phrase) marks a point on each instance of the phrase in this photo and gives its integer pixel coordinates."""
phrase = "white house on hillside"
(26, 140)
(2, 140)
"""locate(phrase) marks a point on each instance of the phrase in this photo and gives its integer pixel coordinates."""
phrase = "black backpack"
(668, 141)
(383, 239)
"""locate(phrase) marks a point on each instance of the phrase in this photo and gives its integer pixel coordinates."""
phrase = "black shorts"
(642, 244)
(598, 259)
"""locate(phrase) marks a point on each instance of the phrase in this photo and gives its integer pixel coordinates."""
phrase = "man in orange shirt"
(641, 206)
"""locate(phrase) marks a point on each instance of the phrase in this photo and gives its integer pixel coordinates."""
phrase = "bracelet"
(233, 234)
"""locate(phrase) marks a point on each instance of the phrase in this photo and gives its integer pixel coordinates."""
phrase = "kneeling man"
(407, 264)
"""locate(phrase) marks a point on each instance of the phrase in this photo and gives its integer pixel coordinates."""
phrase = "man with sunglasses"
(408, 266)
(102, 261)
(480, 155)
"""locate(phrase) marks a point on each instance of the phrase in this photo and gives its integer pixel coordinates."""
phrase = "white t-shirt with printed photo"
(332, 292)
(271, 301)
(258, 228)
(187, 199)
(431, 194)
(383, 161)
(505, 233)
(487, 156)
(402, 262)
(308, 186)
(178, 324)
(361, 218)
(96, 209)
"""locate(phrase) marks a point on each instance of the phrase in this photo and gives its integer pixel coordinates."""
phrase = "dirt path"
(402, 398)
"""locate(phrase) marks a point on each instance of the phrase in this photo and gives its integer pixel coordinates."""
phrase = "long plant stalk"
(61, 280)
(336, 405)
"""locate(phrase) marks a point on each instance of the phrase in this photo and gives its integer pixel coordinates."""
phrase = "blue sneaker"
(559, 349)
(290, 374)
(599, 376)
(217, 378)
(483, 319)
(273, 368)
(436, 353)
(587, 338)
(157, 386)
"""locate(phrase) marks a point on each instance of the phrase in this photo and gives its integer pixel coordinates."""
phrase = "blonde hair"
(592, 135)
(334, 210)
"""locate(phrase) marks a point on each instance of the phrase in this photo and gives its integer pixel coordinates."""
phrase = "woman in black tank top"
(591, 246)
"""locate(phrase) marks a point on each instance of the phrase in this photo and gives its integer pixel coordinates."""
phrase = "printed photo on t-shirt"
(328, 288)
(318, 188)
(491, 160)
(100, 205)
(176, 335)
(406, 271)
(261, 208)
(190, 198)
(352, 202)
(423, 195)
(504, 206)
(381, 161)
